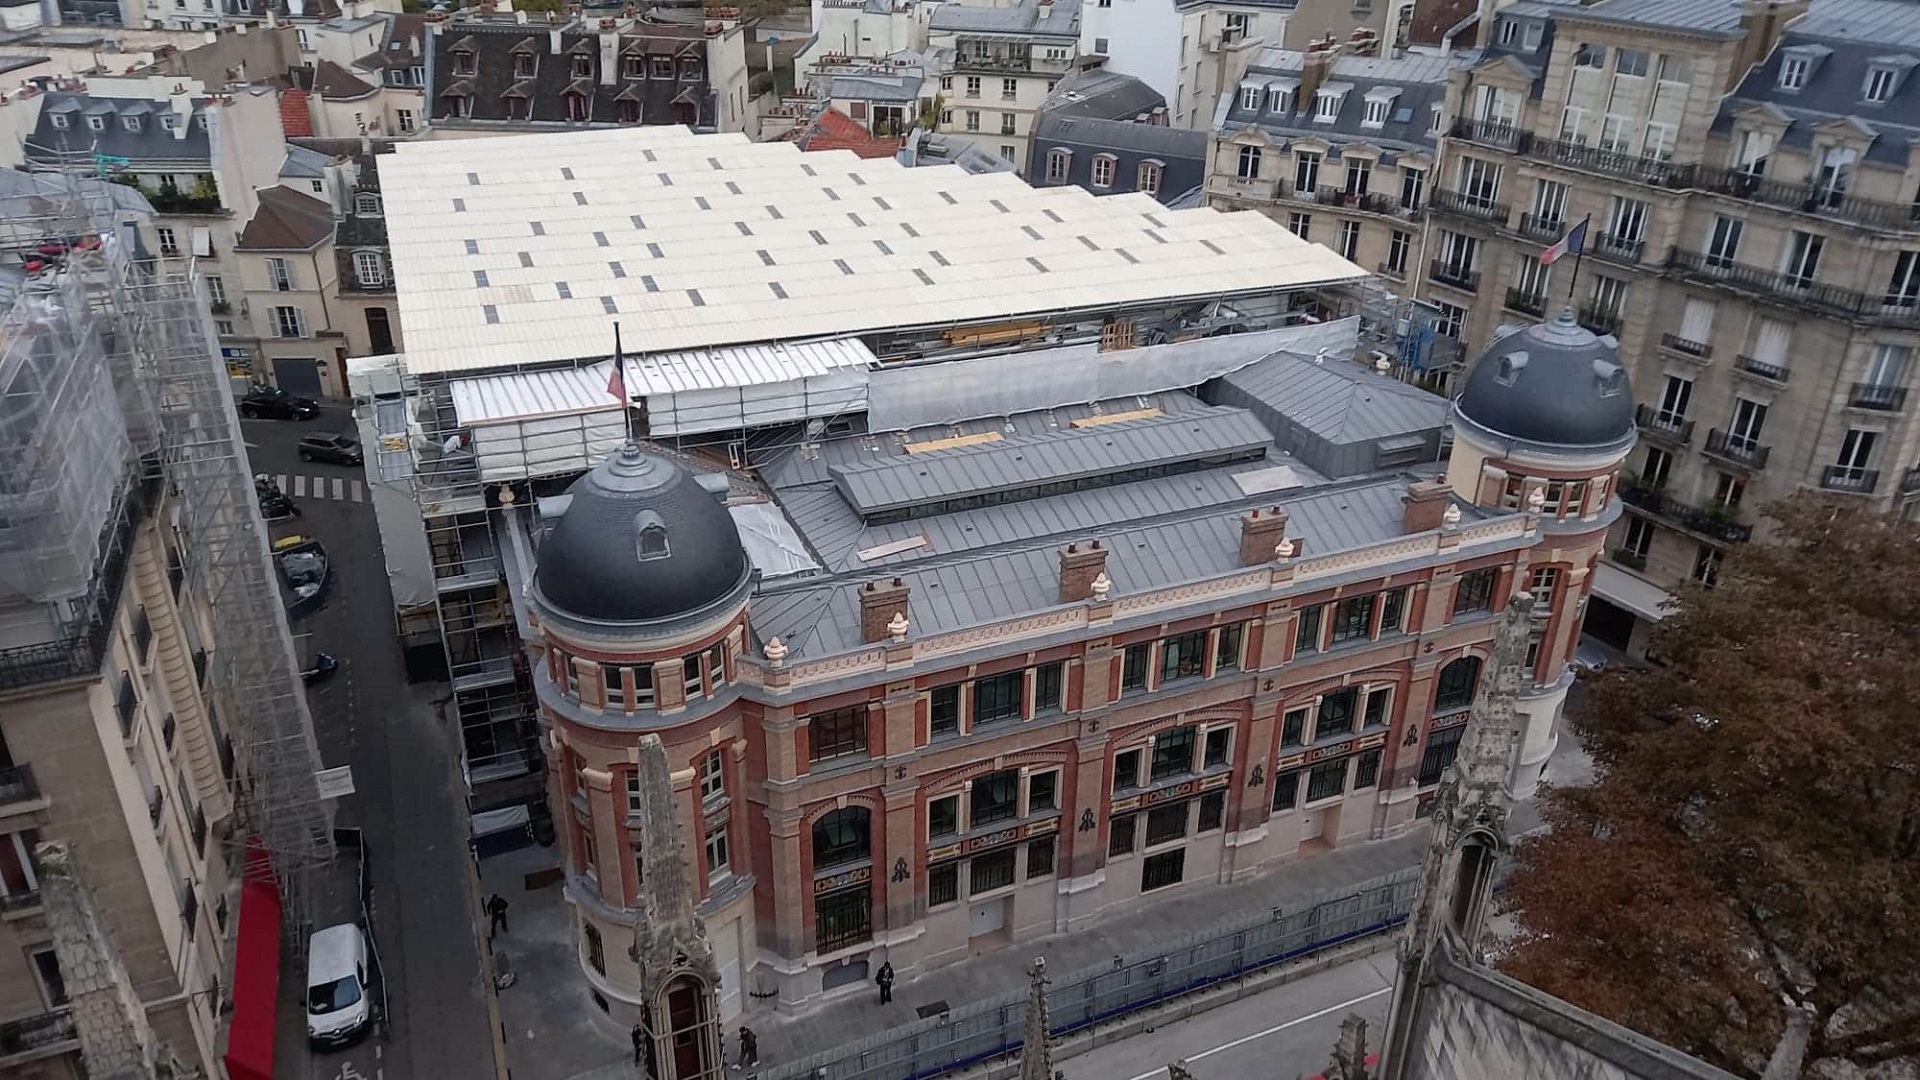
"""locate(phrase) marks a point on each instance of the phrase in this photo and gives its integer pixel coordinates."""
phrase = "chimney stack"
(1079, 565)
(880, 602)
(1426, 503)
(1260, 533)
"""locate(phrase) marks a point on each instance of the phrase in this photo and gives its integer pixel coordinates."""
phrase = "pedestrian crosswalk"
(338, 488)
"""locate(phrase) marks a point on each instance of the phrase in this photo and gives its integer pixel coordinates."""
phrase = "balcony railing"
(44, 1034)
(1488, 133)
(1662, 424)
(1544, 227)
(1788, 289)
(1760, 368)
(1717, 524)
(1646, 170)
(1471, 207)
(1737, 449)
(1398, 273)
(1632, 560)
(1618, 248)
(1850, 479)
(1246, 187)
(1686, 347)
(1458, 277)
(1600, 319)
(1526, 303)
(17, 785)
(1877, 397)
(1366, 201)
(1805, 198)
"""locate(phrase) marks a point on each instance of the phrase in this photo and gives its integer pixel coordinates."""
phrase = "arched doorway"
(692, 1043)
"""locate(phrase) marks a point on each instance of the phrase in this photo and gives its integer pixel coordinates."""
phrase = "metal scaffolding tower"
(110, 371)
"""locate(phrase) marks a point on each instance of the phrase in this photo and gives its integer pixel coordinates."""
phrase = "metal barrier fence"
(993, 1028)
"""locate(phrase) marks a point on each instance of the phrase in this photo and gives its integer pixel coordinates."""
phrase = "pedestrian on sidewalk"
(749, 1048)
(885, 981)
(640, 1041)
(496, 915)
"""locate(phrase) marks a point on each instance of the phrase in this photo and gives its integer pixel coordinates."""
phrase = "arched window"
(1057, 162)
(1103, 166)
(651, 535)
(840, 836)
(1456, 684)
(1249, 165)
(1148, 182)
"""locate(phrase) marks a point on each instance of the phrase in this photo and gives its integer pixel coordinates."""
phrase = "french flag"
(1571, 244)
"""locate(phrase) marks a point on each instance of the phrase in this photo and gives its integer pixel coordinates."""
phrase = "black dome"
(1556, 385)
(640, 541)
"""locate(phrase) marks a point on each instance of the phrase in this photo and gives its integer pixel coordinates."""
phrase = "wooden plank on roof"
(1114, 418)
(954, 443)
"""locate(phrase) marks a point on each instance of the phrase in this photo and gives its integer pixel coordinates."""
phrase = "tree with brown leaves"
(1751, 841)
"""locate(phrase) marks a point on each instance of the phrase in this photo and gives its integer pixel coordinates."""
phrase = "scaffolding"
(110, 381)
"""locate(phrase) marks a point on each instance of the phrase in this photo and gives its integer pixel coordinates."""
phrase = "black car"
(271, 403)
(326, 446)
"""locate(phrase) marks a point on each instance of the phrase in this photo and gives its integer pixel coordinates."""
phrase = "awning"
(256, 972)
(1642, 597)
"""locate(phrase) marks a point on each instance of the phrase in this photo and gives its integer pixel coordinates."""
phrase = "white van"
(337, 1006)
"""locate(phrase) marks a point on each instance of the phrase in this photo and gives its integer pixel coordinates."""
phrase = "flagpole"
(620, 374)
(1586, 227)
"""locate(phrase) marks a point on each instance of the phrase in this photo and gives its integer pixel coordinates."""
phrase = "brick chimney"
(1761, 22)
(1260, 532)
(880, 602)
(1313, 72)
(1079, 565)
(1425, 502)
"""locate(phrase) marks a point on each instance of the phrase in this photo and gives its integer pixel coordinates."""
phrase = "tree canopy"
(1751, 841)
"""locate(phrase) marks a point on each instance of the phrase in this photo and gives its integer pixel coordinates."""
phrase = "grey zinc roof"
(877, 88)
(1015, 463)
(1100, 94)
(152, 143)
(304, 163)
(1338, 401)
(1152, 140)
(1062, 19)
(1846, 37)
(1713, 18)
(1421, 83)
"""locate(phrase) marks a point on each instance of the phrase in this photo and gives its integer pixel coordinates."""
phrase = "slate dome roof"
(1555, 386)
(640, 541)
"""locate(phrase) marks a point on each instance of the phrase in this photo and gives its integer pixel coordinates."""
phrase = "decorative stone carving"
(1102, 588)
(1087, 823)
(897, 626)
(776, 652)
(1450, 517)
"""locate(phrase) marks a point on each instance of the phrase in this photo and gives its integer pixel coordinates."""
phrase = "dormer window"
(97, 123)
(523, 66)
(576, 106)
(1376, 114)
(1326, 107)
(366, 204)
(131, 123)
(1880, 84)
(200, 121)
(462, 62)
(651, 534)
(1434, 125)
(1250, 96)
(582, 67)
(1277, 100)
(168, 121)
(661, 67)
(1511, 365)
(58, 120)
(629, 112)
(1793, 73)
(634, 67)
(689, 69)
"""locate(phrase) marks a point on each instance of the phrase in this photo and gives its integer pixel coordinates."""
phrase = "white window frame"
(1793, 74)
(279, 274)
(169, 242)
(279, 314)
(1879, 85)
(368, 269)
(1059, 163)
(1147, 177)
(367, 204)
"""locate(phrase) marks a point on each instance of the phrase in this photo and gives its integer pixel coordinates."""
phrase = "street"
(1279, 1034)
(408, 797)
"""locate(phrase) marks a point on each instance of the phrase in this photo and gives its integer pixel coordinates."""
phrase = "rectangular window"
(1306, 635)
(943, 816)
(995, 798)
(1802, 259)
(610, 675)
(1043, 792)
(1226, 649)
(690, 677)
(1248, 164)
(1353, 618)
(1040, 857)
(1213, 811)
(1120, 837)
(973, 86)
(1631, 62)
(289, 322)
(1126, 769)
(169, 244)
(944, 710)
(1441, 747)
(1543, 586)
(1219, 744)
(1398, 245)
(1749, 417)
(1183, 656)
(943, 884)
(1366, 770)
(1413, 188)
(280, 273)
(1393, 608)
(1327, 779)
(1376, 711)
(843, 918)
(633, 792)
(836, 734)
(999, 697)
(973, 118)
(1007, 124)
(1474, 591)
(1172, 753)
(1300, 224)
(1349, 240)
(1166, 823)
(1164, 869)
(1306, 172)
(1653, 476)
(719, 861)
(1336, 714)
(1286, 790)
(1293, 728)
(1133, 667)
(1903, 288)
(1639, 538)
(1009, 89)
(1549, 203)
(991, 871)
(1049, 684)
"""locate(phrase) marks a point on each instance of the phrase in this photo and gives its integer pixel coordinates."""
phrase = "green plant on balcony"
(1722, 513)
(202, 198)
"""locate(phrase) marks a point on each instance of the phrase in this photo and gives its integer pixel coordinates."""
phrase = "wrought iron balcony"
(1761, 369)
(1788, 289)
(1717, 523)
(1544, 227)
(1472, 207)
(1850, 479)
(1600, 319)
(1664, 425)
(38, 1036)
(1645, 170)
(17, 785)
(1806, 198)
(1618, 248)
(1737, 450)
(1698, 351)
(1877, 397)
(1488, 133)
(1454, 275)
(1526, 303)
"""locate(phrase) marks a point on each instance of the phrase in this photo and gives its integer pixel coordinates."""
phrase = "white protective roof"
(1636, 594)
(696, 241)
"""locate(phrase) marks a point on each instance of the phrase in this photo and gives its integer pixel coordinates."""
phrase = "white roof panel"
(531, 257)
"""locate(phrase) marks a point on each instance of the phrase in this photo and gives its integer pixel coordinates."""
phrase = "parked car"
(327, 446)
(274, 503)
(273, 403)
(338, 1008)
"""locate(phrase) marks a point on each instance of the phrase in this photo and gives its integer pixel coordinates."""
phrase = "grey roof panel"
(1100, 94)
(152, 143)
(1338, 401)
(1154, 140)
(1844, 38)
(1059, 19)
(1421, 83)
(1716, 18)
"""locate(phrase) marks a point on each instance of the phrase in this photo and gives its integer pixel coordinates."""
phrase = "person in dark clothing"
(496, 915)
(749, 1047)
(639, 1042)
(885, 981)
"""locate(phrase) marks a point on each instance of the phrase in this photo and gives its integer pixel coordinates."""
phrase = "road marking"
(299, 486)
(280, 482)
(357, 490)
(1245, 1039)
(339, 488)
